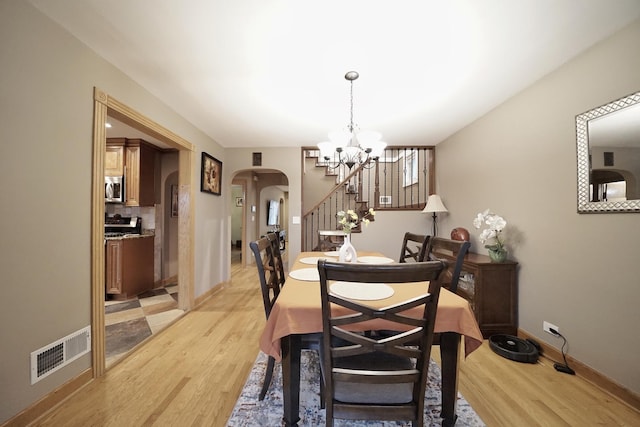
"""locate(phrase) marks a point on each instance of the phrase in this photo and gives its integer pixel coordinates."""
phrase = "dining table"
(297, 313)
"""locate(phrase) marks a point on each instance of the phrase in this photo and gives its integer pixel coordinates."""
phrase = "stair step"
(312, 154)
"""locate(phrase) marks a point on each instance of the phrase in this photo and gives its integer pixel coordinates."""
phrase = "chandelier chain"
(351, 122)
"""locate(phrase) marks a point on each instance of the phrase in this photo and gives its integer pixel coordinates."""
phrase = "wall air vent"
(54, 356)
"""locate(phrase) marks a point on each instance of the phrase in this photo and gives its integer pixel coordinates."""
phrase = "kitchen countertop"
(132, 236)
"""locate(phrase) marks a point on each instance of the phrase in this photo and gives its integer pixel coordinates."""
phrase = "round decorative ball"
(460, 233)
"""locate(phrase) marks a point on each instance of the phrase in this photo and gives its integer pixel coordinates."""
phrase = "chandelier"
(351, 146)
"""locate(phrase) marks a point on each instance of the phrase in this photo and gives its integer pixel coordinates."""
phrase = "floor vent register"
(54, 356)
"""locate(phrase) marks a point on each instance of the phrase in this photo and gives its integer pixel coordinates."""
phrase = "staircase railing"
(401, 179)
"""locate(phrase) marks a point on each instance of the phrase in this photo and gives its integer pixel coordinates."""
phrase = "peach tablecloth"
(298, 311)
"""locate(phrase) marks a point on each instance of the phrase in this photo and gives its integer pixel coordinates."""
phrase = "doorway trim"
(105, 105)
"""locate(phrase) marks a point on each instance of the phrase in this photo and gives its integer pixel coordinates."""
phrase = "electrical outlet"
(546, 326)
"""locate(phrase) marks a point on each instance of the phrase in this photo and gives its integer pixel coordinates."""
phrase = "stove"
(117, 226)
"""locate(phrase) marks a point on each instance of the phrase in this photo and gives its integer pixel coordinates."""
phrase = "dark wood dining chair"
(452, 251)
(377, 378)
(414, 247)
(270, 284)
(266, 251)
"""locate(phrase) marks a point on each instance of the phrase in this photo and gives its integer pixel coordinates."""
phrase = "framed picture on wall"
(211, 175)
(174, 201)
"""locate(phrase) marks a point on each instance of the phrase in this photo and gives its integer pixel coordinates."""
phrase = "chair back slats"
(414, 247)
(365, 313)
(366, 372)
(456, 249)
(270, 281)
(274, 239)
(362, 344)
(378, 377)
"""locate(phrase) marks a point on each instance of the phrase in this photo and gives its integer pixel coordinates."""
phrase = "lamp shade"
(434, 204)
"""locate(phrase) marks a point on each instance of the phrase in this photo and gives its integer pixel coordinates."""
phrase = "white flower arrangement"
(350, 219)
(495, 224)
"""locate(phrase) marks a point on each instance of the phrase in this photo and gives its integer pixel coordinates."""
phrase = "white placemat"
(332, 253)
(375, 260)
(313, 260)
(307, 274)
(362, 291)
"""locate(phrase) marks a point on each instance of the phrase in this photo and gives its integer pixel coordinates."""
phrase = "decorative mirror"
(608, 148)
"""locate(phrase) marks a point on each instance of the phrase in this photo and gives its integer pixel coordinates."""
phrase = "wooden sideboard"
(492, 290)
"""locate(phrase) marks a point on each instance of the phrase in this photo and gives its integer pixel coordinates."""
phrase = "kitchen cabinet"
(139, 176)
(129, 266)
(114, 157)
(492, 291)
(113, 266)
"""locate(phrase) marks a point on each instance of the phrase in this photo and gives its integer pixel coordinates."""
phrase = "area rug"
(249, 411)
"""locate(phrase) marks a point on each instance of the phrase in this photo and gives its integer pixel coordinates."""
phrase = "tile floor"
(130, 322)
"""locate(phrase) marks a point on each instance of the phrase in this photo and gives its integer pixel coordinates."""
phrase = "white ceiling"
(257, 73)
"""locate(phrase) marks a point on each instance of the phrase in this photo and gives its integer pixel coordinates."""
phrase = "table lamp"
(434, 205)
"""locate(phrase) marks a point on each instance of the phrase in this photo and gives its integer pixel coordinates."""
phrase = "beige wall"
(46, 128)
(169, 252)
(579, 272)
(315, 183)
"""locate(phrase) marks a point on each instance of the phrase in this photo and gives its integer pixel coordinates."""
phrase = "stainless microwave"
(114, 189)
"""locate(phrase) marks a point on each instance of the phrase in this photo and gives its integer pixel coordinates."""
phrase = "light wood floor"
(191, 374)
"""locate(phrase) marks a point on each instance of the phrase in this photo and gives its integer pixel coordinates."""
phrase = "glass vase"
(498, 255)
(347, 253)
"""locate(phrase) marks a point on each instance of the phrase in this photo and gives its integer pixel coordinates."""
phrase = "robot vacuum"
(514, 348)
